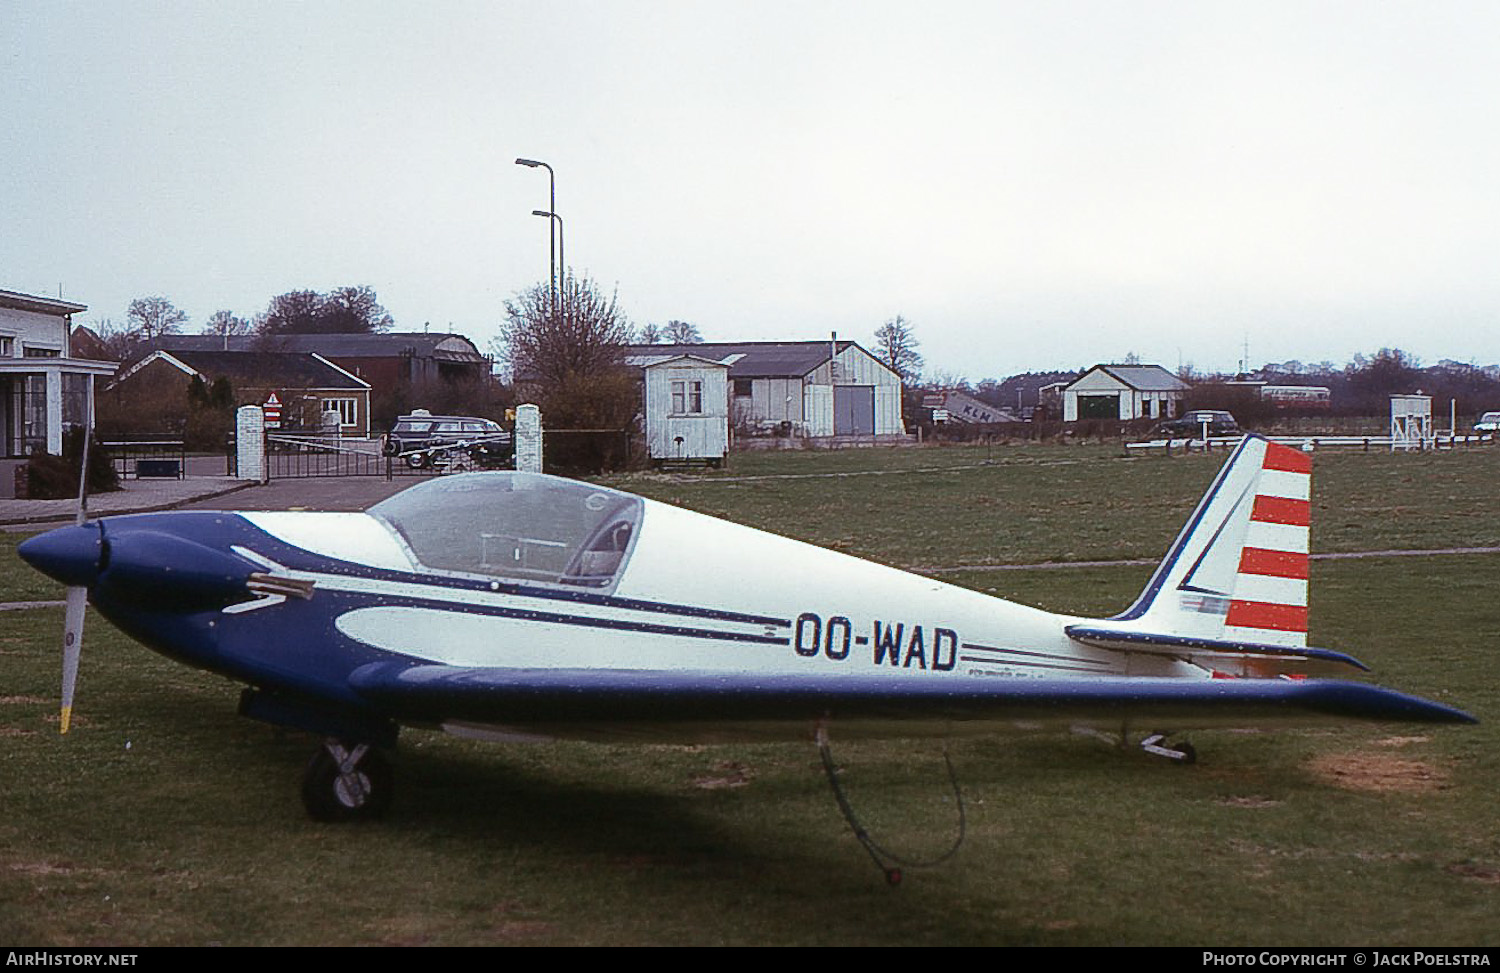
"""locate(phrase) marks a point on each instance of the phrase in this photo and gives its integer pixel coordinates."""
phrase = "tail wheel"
(346, 782)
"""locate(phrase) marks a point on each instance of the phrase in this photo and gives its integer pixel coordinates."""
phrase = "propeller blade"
(78, 596)
(78, 599)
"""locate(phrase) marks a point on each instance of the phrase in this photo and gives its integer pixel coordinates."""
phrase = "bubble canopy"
(518, 526)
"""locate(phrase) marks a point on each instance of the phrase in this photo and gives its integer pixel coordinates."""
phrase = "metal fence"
(290, 456)
(294, 456)
(149, 456)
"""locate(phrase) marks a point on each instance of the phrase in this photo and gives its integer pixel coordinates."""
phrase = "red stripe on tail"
(1259, 614)
(1286, 459)
(1275, 564)
(1280, 510)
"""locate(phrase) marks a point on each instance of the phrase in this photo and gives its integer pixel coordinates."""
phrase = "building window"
(7, 346)
(32, 351)
(742, 386)
(344, 407)
(30, 407)
(687, 398)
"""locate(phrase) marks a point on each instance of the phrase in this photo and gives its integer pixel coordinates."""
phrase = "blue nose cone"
(72, 555)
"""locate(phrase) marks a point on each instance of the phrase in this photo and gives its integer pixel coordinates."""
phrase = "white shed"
(687, 408)
(1123, 392)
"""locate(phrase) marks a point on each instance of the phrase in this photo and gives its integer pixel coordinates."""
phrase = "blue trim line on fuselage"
(555, 618)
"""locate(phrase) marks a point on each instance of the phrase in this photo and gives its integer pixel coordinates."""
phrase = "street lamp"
(551, 208)
(557, 222)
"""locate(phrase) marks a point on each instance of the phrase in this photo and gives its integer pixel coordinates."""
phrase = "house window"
(32, 351)
(742, 386)
(345, 409)
(687, 397)
(7, 346)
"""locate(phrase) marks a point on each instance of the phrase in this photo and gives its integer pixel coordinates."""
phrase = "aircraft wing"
(426, 693)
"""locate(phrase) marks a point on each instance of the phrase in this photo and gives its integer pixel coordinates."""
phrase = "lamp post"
(551, 208)
(557, 222)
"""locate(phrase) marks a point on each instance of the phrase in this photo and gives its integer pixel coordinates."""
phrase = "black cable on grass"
(881, 857)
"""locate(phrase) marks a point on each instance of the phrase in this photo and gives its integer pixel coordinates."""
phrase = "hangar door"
(1099, 406)
(854, 410)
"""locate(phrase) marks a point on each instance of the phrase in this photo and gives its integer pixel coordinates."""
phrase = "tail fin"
(1231, 594)
(1238, 570)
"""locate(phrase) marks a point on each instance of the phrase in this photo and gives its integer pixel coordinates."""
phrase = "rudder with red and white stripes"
(1269, 601)
(1238, 571)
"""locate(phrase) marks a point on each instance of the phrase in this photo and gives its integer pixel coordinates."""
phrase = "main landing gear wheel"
(347, 783)
(416, 460)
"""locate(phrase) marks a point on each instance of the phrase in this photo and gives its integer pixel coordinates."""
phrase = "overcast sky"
(1033, 185)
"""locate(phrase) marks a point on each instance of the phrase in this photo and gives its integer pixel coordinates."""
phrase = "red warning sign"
(272, 409)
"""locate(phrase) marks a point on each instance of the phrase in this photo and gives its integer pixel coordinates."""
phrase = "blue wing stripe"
(520, 696)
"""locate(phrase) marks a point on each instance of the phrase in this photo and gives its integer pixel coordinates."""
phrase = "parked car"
(1489, 422)
(465, 442)
(1190, 423)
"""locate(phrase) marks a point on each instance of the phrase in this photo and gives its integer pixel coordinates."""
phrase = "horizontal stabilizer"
(1217, 654)
(561, 697)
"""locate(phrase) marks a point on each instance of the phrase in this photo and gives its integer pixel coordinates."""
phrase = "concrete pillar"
(528, 439)
(250, 443)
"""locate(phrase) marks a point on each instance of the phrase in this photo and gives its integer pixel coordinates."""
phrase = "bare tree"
(345, 310)
(565, 349)
(103, 340)
(226, 323)
(353, 310)
(295, 312)
(681, 333)
(947, 380)
(651, 334)
(896, 345)
(151, 317)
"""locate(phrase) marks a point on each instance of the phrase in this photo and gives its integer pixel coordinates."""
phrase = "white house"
(812, 389)
(1123, 392)
(43, 389)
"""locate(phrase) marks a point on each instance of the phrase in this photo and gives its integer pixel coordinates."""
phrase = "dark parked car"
(456, 442)
(1191, 424)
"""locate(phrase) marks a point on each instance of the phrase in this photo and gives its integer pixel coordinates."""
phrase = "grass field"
(166, 819)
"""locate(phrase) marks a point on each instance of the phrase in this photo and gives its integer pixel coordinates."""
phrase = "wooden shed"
(687, 409)
(803, 389)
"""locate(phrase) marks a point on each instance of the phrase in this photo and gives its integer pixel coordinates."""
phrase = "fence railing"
(147, 456)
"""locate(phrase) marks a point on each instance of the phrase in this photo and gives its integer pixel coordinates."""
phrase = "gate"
(290, 457)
